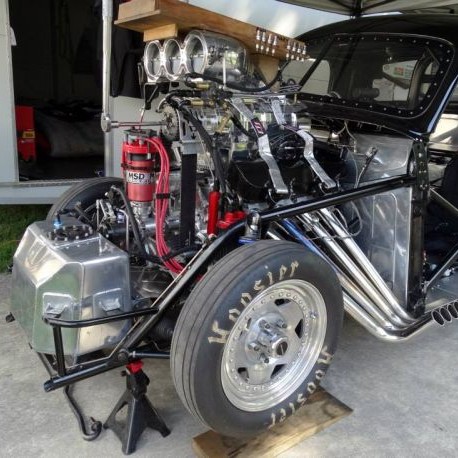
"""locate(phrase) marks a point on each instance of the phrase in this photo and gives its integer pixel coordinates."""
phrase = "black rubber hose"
(186, 249)
(242, 129)
(135, 229)
(95, 427)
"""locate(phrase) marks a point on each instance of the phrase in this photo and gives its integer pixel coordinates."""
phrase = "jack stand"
(140, 412)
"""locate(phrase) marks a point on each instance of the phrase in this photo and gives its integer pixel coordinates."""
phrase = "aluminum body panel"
(384, 238)
(386, 217)
(75, 280)
(391, 159)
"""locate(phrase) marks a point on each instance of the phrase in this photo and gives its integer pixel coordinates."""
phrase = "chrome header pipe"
(365, 320)
(364, 311)
(437, 317)
(354, 293)
(347, 264)
(364, 263)
(348, 286)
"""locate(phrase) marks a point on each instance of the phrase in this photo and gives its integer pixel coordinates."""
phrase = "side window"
(317, 84)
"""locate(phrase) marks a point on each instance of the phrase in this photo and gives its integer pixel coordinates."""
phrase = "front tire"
(86, 193)
(256, 336)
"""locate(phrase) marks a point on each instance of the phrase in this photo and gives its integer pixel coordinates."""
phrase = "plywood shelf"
(147, 15)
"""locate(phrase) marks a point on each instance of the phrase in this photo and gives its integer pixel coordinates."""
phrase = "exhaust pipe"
(363, 310)
(348, 286)
(453, 309)
(445, 314)
(347, 263)
(437, 317)
(357, 296)
(365, 264)
(399, 335)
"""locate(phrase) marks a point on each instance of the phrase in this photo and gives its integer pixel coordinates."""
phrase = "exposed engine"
(226, 147)
(215, 160)
(220, 155)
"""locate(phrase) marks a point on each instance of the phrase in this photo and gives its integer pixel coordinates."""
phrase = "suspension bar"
(137, 334)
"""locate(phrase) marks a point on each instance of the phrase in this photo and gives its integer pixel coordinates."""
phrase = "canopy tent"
(363, 7)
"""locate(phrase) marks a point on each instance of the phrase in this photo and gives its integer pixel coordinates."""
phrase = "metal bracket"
(278, 113)
(264, 146)
(421, 161)
(328, 183)
(189, 143)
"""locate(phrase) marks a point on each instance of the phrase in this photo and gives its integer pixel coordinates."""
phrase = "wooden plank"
(320, 411)
(141, 15)
(160, 33)
(135, 8)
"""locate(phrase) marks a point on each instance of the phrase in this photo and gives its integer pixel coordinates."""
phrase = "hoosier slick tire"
(256, 336)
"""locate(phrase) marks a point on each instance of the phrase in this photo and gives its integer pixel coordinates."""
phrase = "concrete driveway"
(403, 396)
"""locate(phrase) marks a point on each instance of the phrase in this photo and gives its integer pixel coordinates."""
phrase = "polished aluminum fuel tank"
(70, 273)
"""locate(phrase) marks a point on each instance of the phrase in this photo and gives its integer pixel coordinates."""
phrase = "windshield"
(392, 74)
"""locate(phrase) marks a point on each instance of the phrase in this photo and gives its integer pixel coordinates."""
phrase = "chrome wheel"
(274, 345)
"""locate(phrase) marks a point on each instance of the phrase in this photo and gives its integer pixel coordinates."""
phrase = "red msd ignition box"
(25, 128)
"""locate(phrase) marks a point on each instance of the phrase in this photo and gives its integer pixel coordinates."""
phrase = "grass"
(14, 220)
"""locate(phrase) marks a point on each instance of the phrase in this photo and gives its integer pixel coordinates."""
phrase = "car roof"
(442, 26)
(437, 26)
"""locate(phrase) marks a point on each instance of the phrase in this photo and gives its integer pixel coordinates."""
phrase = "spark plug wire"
(161, 206)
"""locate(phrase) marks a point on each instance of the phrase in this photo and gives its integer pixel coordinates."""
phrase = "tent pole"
(358, 10)
(107, 17)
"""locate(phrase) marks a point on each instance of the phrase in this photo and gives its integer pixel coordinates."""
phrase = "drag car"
(254, 214)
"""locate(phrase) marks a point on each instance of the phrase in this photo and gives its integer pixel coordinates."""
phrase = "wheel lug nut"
(254, 346)
(281, 324)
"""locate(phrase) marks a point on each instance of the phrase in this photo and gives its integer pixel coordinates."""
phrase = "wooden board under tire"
(321, 410)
